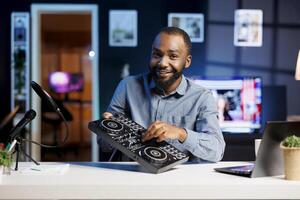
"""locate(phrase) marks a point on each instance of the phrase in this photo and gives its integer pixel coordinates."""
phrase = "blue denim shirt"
(191, 107)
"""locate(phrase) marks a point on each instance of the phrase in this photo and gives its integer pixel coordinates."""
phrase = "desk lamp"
(297, 73)
(297, 78)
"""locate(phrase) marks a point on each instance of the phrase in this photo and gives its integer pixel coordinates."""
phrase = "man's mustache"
(164, 70)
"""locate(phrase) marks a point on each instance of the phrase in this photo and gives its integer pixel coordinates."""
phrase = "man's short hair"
(182, 33)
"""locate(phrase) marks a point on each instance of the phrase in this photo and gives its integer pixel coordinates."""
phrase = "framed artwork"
(123, 28)
(192, 23)
(248, 29)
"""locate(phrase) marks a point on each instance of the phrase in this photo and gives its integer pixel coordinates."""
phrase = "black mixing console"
(126, 136)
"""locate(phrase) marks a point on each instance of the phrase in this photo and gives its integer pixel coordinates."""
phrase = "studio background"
(217, 56)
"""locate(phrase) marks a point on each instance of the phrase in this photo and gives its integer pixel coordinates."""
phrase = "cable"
(53, 146)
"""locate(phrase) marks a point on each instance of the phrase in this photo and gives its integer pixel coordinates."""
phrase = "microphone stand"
(18, 150)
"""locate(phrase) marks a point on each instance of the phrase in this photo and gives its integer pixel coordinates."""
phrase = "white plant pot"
(1, 172)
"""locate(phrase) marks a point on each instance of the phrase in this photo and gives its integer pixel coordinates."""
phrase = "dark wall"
(274, 61)
(152, 15)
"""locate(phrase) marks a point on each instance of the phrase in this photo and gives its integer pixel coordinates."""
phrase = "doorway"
(65, 43)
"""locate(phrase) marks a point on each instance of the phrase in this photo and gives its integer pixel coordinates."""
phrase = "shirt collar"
(181, 89)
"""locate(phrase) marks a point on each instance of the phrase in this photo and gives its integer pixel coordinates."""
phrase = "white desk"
(124, 181)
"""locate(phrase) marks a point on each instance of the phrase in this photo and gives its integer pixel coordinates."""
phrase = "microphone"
(28, 117)
(15, 132)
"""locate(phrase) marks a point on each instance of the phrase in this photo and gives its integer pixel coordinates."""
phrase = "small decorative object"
(291, 154)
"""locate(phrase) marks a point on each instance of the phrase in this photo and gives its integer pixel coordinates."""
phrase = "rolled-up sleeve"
(206, 141)
(118, 102)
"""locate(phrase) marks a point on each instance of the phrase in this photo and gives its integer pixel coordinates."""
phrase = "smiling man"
(172, 107)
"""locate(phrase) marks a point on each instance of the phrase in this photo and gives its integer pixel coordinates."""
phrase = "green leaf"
(291, 141)
(5, 158)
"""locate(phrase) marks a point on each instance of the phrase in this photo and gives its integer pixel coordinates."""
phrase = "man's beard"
(164, 84)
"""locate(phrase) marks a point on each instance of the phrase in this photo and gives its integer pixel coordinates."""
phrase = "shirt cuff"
(189, 142)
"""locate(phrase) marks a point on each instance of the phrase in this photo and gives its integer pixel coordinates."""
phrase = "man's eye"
(155, 54)
(173, 56)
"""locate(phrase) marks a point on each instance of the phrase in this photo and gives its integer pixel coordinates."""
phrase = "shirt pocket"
(187, 121)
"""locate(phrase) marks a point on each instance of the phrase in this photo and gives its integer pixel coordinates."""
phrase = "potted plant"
(291, 154)
(5, 160)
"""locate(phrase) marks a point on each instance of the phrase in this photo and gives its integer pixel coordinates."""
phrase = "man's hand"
(107, 115)
(163, 131)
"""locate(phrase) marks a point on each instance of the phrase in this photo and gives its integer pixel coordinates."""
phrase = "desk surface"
(128, 181)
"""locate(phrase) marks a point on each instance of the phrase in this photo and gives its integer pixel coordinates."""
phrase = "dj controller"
(126, 136)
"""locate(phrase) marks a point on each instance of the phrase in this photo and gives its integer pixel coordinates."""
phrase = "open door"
(65, 62)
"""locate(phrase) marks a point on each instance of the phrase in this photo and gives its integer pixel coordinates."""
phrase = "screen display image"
(64, 82)
(239, 101)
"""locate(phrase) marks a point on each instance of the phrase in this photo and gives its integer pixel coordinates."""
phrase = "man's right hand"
(107, 115)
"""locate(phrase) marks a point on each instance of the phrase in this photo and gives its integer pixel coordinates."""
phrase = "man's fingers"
(151, 130)
(154, 131)
(107, 115)
(161, 138)
(153, 127)
(146, 137)
(158, 132)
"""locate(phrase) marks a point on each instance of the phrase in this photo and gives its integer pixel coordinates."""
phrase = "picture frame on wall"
(248, 30)
(192, 23)
(123, 28)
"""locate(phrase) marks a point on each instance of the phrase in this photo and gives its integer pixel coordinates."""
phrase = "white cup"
(256, 145)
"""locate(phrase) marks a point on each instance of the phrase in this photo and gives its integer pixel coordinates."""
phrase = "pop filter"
(44, 95)
(46, 98)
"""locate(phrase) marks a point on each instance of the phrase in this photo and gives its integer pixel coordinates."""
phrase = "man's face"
(169, 57)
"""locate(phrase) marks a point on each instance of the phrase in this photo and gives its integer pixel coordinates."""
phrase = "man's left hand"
(163, 131)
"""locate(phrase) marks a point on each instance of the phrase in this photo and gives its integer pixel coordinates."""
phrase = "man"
(172, 107)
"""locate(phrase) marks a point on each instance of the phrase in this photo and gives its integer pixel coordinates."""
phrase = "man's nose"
(163, 61)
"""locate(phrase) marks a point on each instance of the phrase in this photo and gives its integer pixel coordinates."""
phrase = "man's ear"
(188, 61)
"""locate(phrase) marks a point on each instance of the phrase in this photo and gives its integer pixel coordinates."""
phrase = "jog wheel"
(111, 127)
(154, 155)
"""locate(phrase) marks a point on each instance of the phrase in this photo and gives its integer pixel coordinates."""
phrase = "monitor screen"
(64, 82)
(239, 101)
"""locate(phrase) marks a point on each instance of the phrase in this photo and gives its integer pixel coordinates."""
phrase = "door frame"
(36, 11)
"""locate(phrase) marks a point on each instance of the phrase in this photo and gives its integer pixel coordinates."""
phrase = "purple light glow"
(64, 82)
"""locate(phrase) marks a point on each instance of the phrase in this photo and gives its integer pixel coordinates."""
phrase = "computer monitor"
(64, 82)
(239, 101)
